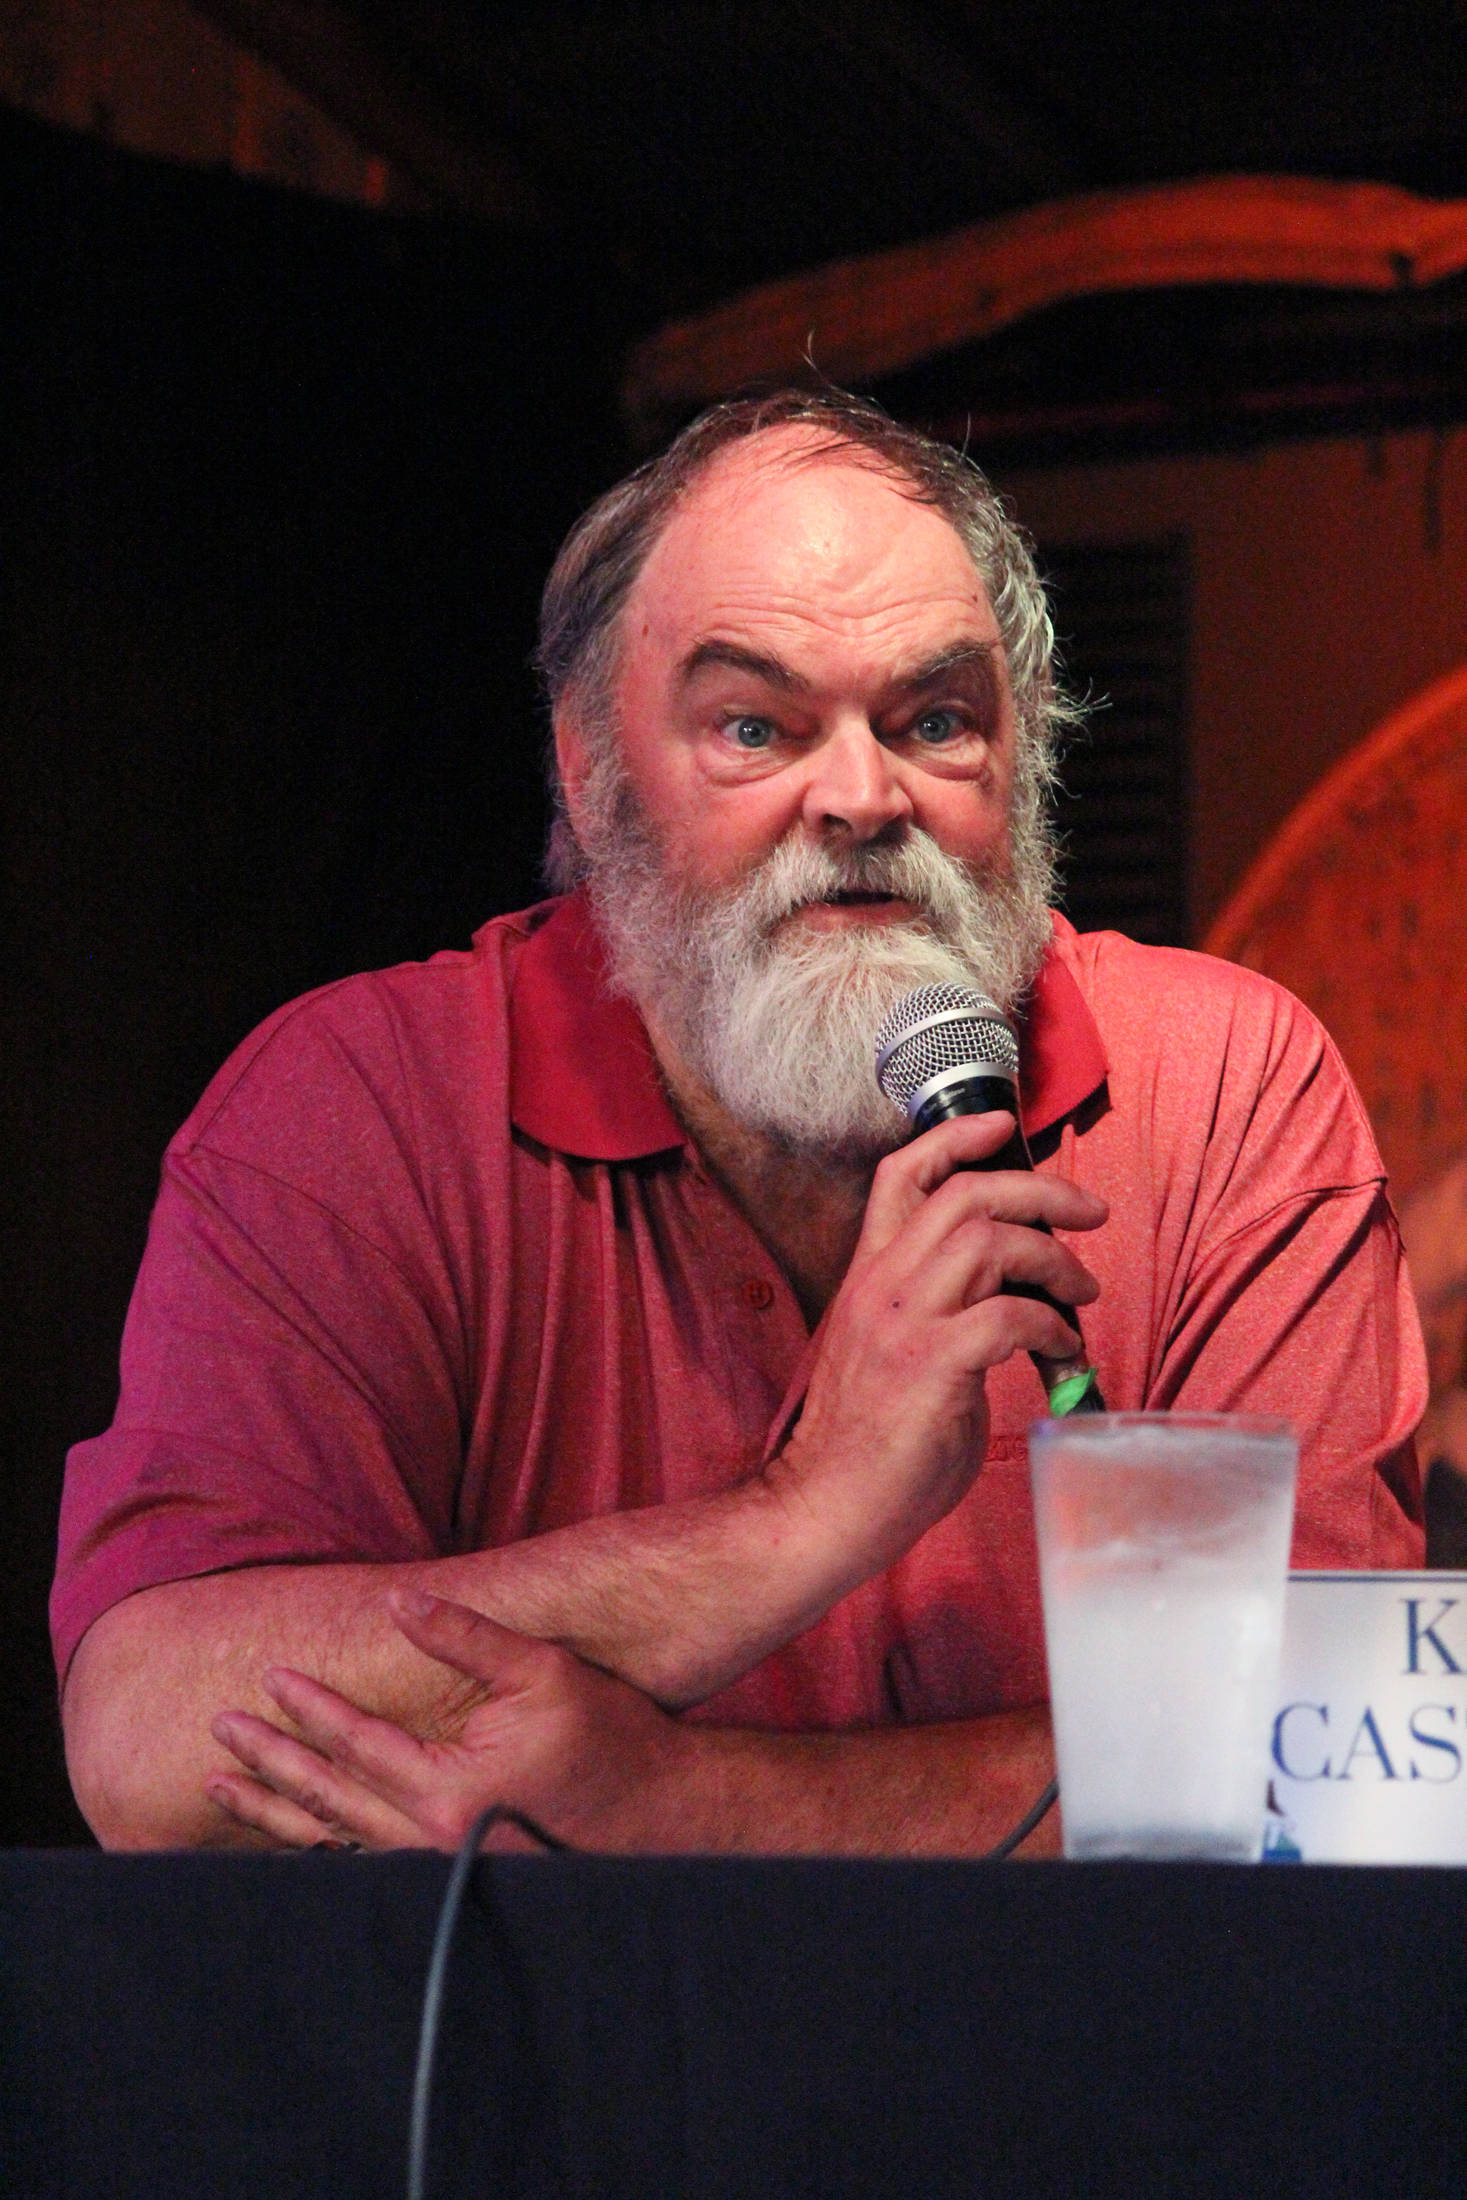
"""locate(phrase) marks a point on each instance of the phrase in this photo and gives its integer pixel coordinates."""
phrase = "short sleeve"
(295, 1360)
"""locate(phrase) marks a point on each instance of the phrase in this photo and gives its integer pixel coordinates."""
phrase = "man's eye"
(751, 733)
(935, 726)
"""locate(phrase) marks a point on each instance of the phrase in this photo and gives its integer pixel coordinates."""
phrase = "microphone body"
(945, 1051)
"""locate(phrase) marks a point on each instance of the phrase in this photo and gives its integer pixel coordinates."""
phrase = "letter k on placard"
(1419, 1631)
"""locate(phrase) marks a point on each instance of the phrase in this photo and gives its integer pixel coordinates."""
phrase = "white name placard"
(1369, 1743)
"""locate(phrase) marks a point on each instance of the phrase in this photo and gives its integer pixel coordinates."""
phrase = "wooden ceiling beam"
(327, 54)
(864, 318)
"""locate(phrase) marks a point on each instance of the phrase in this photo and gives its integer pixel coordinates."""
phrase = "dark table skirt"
(213, 2027)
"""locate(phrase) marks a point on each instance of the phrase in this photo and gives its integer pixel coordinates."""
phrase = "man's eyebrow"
(735, 658)
(958, 657)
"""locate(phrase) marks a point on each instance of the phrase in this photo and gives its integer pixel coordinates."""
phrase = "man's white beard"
(778, 1019)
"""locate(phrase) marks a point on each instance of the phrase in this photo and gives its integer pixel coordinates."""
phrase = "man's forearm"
(598, 1766)
(950, 1790)
(679, 1600)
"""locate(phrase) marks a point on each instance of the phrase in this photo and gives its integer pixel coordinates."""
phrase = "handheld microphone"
(946, 1050)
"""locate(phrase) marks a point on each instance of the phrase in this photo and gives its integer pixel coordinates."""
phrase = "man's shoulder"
(1166, 997)
(1201, 1047)
(411, 1030)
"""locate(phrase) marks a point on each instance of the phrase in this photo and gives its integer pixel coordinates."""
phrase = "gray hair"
(580, 610)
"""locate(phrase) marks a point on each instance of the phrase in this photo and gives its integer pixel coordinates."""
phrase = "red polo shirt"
(433, 1268)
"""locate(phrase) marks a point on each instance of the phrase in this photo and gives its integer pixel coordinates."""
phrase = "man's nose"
(854, 786)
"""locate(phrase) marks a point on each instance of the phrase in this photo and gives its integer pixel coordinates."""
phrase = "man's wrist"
(841, 1530)
(819, 1531)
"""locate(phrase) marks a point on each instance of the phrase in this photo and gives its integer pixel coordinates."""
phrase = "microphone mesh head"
(937, 1028)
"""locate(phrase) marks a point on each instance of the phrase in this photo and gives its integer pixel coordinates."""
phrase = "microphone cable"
(446, 1933)
(1021, 1832)
(443, 1939)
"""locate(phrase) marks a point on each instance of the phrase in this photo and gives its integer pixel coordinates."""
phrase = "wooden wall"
(1329, 584)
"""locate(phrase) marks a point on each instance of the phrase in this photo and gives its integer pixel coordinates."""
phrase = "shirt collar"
(584, 1080)
(1061, 1054)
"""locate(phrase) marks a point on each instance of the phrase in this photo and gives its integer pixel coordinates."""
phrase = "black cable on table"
(1024, 1828)
(443, 1939)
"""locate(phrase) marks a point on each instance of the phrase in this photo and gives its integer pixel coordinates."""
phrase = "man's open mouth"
(846, 895)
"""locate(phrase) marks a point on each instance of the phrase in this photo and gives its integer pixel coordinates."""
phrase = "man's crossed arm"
(598, 1765)
(658, 1608)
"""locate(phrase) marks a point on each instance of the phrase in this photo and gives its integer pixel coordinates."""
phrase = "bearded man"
(553, 1381)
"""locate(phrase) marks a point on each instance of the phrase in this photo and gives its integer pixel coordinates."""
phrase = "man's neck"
(808, 1211)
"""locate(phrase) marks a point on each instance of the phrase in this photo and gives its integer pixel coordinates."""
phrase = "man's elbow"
(118, 1809)
(136, 1781)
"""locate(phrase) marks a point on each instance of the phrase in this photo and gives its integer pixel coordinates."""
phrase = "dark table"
(213, 2027)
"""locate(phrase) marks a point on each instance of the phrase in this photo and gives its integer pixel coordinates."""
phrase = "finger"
(910, 1175)
(1042, 1203)
(1015, 1195)
(964, 1143)
(377, 1755)
(985, 1257)
(498, 1657)
(250, 1802)
(920, 1186)
(994, 1329)
(263, 1812)
(314, 1785)
(338, 1729)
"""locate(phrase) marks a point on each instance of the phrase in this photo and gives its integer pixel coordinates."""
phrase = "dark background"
(281, 480)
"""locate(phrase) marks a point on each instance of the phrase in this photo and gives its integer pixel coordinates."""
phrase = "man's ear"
(572, 761)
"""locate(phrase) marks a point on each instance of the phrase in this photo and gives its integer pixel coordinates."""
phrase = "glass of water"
(1163, 1559)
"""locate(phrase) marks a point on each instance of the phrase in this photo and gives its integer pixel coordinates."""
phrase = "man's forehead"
(793, 447)
(791, 507)
(794, 463)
